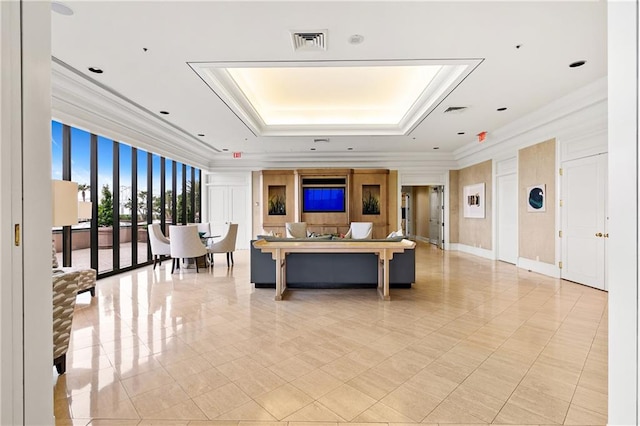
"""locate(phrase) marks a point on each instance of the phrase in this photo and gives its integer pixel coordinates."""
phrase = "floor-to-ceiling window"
(125, 205)
(129, 188)
(80, 143)
(105, 205)
(142, 205)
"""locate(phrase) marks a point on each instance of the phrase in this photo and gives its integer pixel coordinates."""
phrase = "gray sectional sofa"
(332, 270)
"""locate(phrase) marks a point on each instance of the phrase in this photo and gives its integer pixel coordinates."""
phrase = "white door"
(230, 204)
(239, 205)
(406, 201)
(507, 218)
(584, 216)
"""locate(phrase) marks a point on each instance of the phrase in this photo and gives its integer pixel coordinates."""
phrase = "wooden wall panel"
(537, 165)
(475, 232)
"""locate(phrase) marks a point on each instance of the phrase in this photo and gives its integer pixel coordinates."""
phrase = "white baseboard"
(480, 252)
(539, 267)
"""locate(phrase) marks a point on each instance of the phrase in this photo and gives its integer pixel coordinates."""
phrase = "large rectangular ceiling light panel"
(334, 98)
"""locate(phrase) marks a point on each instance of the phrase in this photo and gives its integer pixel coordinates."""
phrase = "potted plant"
(105, 219)
(277, 205)
(370, 204)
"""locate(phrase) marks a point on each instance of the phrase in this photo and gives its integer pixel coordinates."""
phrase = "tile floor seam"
(537, 357)
(583, 364)
(447, 302)
(487, 357)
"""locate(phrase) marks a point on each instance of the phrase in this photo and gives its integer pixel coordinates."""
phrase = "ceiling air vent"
(309, 40)
(321, 140)
(455, 109)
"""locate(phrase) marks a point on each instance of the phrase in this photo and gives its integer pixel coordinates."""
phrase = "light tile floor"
(473, 342)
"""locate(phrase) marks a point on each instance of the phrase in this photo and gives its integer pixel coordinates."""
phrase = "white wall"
(623, 212)
(25, 273)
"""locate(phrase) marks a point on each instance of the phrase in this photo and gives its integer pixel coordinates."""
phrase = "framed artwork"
(473, 201)
(536, 198)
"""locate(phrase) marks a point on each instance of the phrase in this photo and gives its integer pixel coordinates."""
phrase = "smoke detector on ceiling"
(309, 40)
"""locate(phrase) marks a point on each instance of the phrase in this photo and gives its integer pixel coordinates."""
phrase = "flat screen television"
(318, 199)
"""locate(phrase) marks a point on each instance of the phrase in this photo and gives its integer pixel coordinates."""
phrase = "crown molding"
(581, 112)
(82, 102)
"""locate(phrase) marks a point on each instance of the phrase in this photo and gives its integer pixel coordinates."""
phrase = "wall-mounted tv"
(319, 199)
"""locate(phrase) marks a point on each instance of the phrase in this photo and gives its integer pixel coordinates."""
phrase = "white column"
(26, 356)
(623, 210)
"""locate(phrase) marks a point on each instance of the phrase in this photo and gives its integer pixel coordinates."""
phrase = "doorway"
(507, 217)
(423, 213)
(584, 220)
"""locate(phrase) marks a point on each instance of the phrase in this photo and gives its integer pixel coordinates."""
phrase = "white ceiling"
(112, 36)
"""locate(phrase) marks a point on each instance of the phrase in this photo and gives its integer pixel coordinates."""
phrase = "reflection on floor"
(474, 341)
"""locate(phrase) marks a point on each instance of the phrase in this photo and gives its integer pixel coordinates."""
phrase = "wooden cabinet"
(278, 199)
(325, 222)
(368, 197)
(370, 200)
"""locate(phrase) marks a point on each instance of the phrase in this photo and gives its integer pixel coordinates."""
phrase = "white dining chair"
(226, 245)
(360, 231)
(160, 245)
(185, 244)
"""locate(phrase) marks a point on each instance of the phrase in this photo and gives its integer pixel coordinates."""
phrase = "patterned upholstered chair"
(86, 276)
(65, 288)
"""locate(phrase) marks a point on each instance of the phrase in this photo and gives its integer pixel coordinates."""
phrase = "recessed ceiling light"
(577, 64)
(200, 134)
(164, 112)
(225, 149)
(96, 70)
(144, 49)
(61, 8)
(349, 149)
(518, 46)
(436, 147)
(313, 149)
(356, 39)
(461, 133)
(502, 109)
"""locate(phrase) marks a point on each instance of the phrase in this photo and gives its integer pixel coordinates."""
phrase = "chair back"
(159, 243)
(361, 230)
(65, 288)
(228, 243)
(296, 229)
(185, 242)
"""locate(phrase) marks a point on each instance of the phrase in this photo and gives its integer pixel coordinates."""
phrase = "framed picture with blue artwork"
(536, 198)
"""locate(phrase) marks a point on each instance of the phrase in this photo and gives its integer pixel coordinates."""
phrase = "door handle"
(606, 235)
(599, 234)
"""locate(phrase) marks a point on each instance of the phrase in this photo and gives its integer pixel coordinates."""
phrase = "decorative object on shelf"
(277, 200)
(535, 198)
(371, 199)
(277, 205)
(473, 200)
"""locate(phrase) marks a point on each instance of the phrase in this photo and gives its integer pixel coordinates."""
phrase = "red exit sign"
(237, 155)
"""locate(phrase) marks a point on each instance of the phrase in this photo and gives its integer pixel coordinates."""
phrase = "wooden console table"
(384, 249)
